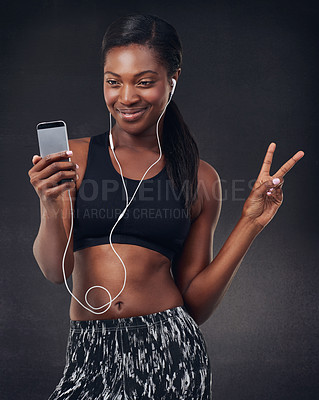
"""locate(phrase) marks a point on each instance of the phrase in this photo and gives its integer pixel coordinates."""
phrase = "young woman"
(141, 340)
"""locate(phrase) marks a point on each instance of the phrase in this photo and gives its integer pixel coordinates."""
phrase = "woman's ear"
(177, 74)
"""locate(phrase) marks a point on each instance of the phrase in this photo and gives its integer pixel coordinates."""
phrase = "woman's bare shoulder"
(207, 181)
(80, 147)
(209, 184)
(207, 173)
(79, 142)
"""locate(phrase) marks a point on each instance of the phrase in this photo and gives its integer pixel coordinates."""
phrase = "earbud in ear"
(174, 86)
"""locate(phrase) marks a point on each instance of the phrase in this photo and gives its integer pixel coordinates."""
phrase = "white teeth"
(131, 113)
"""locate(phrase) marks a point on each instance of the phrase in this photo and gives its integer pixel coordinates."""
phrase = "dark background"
(249, 77)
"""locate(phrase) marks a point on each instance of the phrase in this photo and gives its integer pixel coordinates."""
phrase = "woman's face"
(136, 87)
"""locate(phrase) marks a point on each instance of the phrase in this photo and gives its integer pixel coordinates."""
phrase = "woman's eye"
(111, 82)
(146, 83)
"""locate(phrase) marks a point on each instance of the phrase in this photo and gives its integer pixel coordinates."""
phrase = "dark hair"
(178, 145)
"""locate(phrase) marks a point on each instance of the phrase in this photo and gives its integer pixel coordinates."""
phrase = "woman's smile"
(131, 114)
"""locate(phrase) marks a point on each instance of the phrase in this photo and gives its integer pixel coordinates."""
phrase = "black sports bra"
(155, 219)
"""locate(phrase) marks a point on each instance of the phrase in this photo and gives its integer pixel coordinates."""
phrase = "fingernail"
(269, 193)
(76, 166)
(271, 189)
(77, 176)
(275, 181)
(69, 152)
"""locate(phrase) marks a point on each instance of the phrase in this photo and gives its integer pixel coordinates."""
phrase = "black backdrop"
(249, 78)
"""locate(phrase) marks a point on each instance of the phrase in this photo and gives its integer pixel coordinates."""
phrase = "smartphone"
(53, 138)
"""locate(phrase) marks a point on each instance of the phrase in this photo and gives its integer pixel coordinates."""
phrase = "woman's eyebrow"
(136, 75)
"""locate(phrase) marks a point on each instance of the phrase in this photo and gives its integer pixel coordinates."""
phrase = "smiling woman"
(147, 344)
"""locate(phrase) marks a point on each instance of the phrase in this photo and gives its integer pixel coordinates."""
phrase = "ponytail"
(181, 155)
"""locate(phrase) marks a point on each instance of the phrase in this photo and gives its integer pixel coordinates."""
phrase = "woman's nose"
(128, 94)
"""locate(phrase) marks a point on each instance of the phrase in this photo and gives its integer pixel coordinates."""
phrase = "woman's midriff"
(149, 286)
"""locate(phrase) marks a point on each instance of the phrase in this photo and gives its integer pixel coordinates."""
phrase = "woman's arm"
(203, 284)
(51, 240)
(50, 243)
(207, 289)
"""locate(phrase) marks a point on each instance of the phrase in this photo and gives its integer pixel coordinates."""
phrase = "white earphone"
(173, 90)
(119, 218)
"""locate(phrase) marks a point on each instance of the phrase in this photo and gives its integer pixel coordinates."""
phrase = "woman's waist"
(118, 296)
(127, 304)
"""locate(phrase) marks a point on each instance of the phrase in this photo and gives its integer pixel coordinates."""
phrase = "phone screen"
(52, 137)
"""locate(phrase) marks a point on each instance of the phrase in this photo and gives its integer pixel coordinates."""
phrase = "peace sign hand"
(266, 196)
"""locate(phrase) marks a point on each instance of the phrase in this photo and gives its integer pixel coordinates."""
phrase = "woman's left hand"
(266, 196)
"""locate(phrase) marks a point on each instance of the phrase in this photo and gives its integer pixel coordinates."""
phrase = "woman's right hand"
(47, 172)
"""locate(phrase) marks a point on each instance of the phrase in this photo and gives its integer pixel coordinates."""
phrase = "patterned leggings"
(155, 356)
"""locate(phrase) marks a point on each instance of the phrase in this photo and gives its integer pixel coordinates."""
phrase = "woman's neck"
(144, 140)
